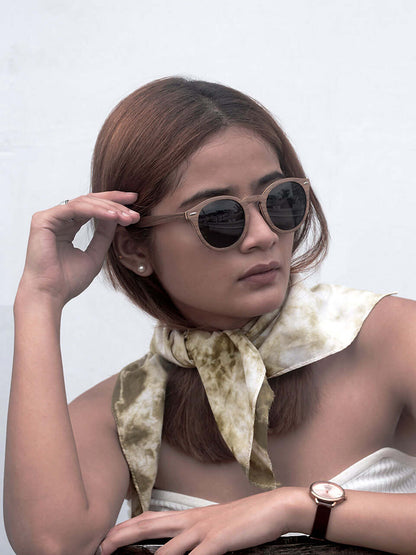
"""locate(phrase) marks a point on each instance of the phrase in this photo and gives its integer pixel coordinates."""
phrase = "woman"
(207, 217)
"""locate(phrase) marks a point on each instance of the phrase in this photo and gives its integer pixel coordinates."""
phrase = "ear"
(131, 253)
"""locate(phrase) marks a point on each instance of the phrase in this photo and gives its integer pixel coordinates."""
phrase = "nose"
(259, 234)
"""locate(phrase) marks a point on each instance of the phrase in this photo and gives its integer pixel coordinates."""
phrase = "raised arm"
(53, 502)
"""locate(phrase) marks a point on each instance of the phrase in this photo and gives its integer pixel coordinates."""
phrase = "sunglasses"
(222, 222)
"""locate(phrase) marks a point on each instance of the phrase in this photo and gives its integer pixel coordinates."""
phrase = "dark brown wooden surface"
(283, 546)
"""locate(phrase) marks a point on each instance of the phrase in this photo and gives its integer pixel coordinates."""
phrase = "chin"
(267, 305)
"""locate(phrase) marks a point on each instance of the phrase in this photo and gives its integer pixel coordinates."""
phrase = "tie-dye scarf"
(234, 366)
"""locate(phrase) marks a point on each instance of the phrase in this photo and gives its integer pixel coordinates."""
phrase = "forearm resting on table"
(45, 498)
(382, 521)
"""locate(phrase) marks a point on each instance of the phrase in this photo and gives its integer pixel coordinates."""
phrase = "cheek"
(179, 258)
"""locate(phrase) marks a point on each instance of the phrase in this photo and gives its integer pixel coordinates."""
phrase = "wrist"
(28, 296)
(300, 510)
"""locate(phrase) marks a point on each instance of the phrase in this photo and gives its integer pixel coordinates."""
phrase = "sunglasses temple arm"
(151, 221)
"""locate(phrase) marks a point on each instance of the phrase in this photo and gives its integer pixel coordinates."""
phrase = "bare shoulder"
(388, 339)
(391, 322)
(95, 403)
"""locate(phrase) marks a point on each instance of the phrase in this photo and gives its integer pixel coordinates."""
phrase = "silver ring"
(64, 202)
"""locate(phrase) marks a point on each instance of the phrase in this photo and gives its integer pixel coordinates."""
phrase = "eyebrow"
(208, 193)
(266, 179)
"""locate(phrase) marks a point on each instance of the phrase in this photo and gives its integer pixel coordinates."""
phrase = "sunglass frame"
(192, 214)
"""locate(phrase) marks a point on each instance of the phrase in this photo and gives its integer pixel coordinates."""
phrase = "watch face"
(327, 491)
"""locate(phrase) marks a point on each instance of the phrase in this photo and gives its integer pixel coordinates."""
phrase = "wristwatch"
(326, 496)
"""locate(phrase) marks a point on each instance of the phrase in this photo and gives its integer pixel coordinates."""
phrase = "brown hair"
(140, 148)
(189, 423)
(143, 143)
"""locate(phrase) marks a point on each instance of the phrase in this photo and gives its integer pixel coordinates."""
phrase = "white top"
(387, 470)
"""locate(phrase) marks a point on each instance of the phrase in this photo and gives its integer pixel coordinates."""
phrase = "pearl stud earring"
(141, 268)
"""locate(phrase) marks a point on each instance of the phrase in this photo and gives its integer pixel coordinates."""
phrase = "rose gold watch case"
(327, 492)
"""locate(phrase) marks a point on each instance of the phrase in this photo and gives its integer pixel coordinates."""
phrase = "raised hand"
(55, 267)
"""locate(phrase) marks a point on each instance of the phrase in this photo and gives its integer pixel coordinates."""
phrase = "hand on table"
(209, 530)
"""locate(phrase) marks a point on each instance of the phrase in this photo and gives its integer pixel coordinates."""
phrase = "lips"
(260, 269)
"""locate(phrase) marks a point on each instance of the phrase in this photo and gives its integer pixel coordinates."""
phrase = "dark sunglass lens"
(221, 222)
(286, 205)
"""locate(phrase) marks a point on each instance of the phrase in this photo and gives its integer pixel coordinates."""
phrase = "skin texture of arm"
(54, 501)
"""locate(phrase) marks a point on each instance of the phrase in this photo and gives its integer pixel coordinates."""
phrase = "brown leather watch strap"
(320, 524)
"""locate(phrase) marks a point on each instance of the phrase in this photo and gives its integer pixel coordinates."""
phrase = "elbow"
(49, 545)
(48, 534)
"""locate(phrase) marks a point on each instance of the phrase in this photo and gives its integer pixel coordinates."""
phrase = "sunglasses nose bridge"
(257, 200)
(253, 199)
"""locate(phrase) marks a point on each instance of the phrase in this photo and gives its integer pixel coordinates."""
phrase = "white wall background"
(339, 75)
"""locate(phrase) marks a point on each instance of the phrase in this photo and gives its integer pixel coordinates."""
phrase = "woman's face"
(223, 289)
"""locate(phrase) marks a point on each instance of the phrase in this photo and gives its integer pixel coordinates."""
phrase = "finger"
(147, 515)
(214, 544)
(182, 543)
(80, 210)
(101, 240)
(120, 197)
(150, 528)
(123, 197)
(116, 200)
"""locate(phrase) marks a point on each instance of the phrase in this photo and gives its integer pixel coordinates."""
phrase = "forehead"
(233, 157)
